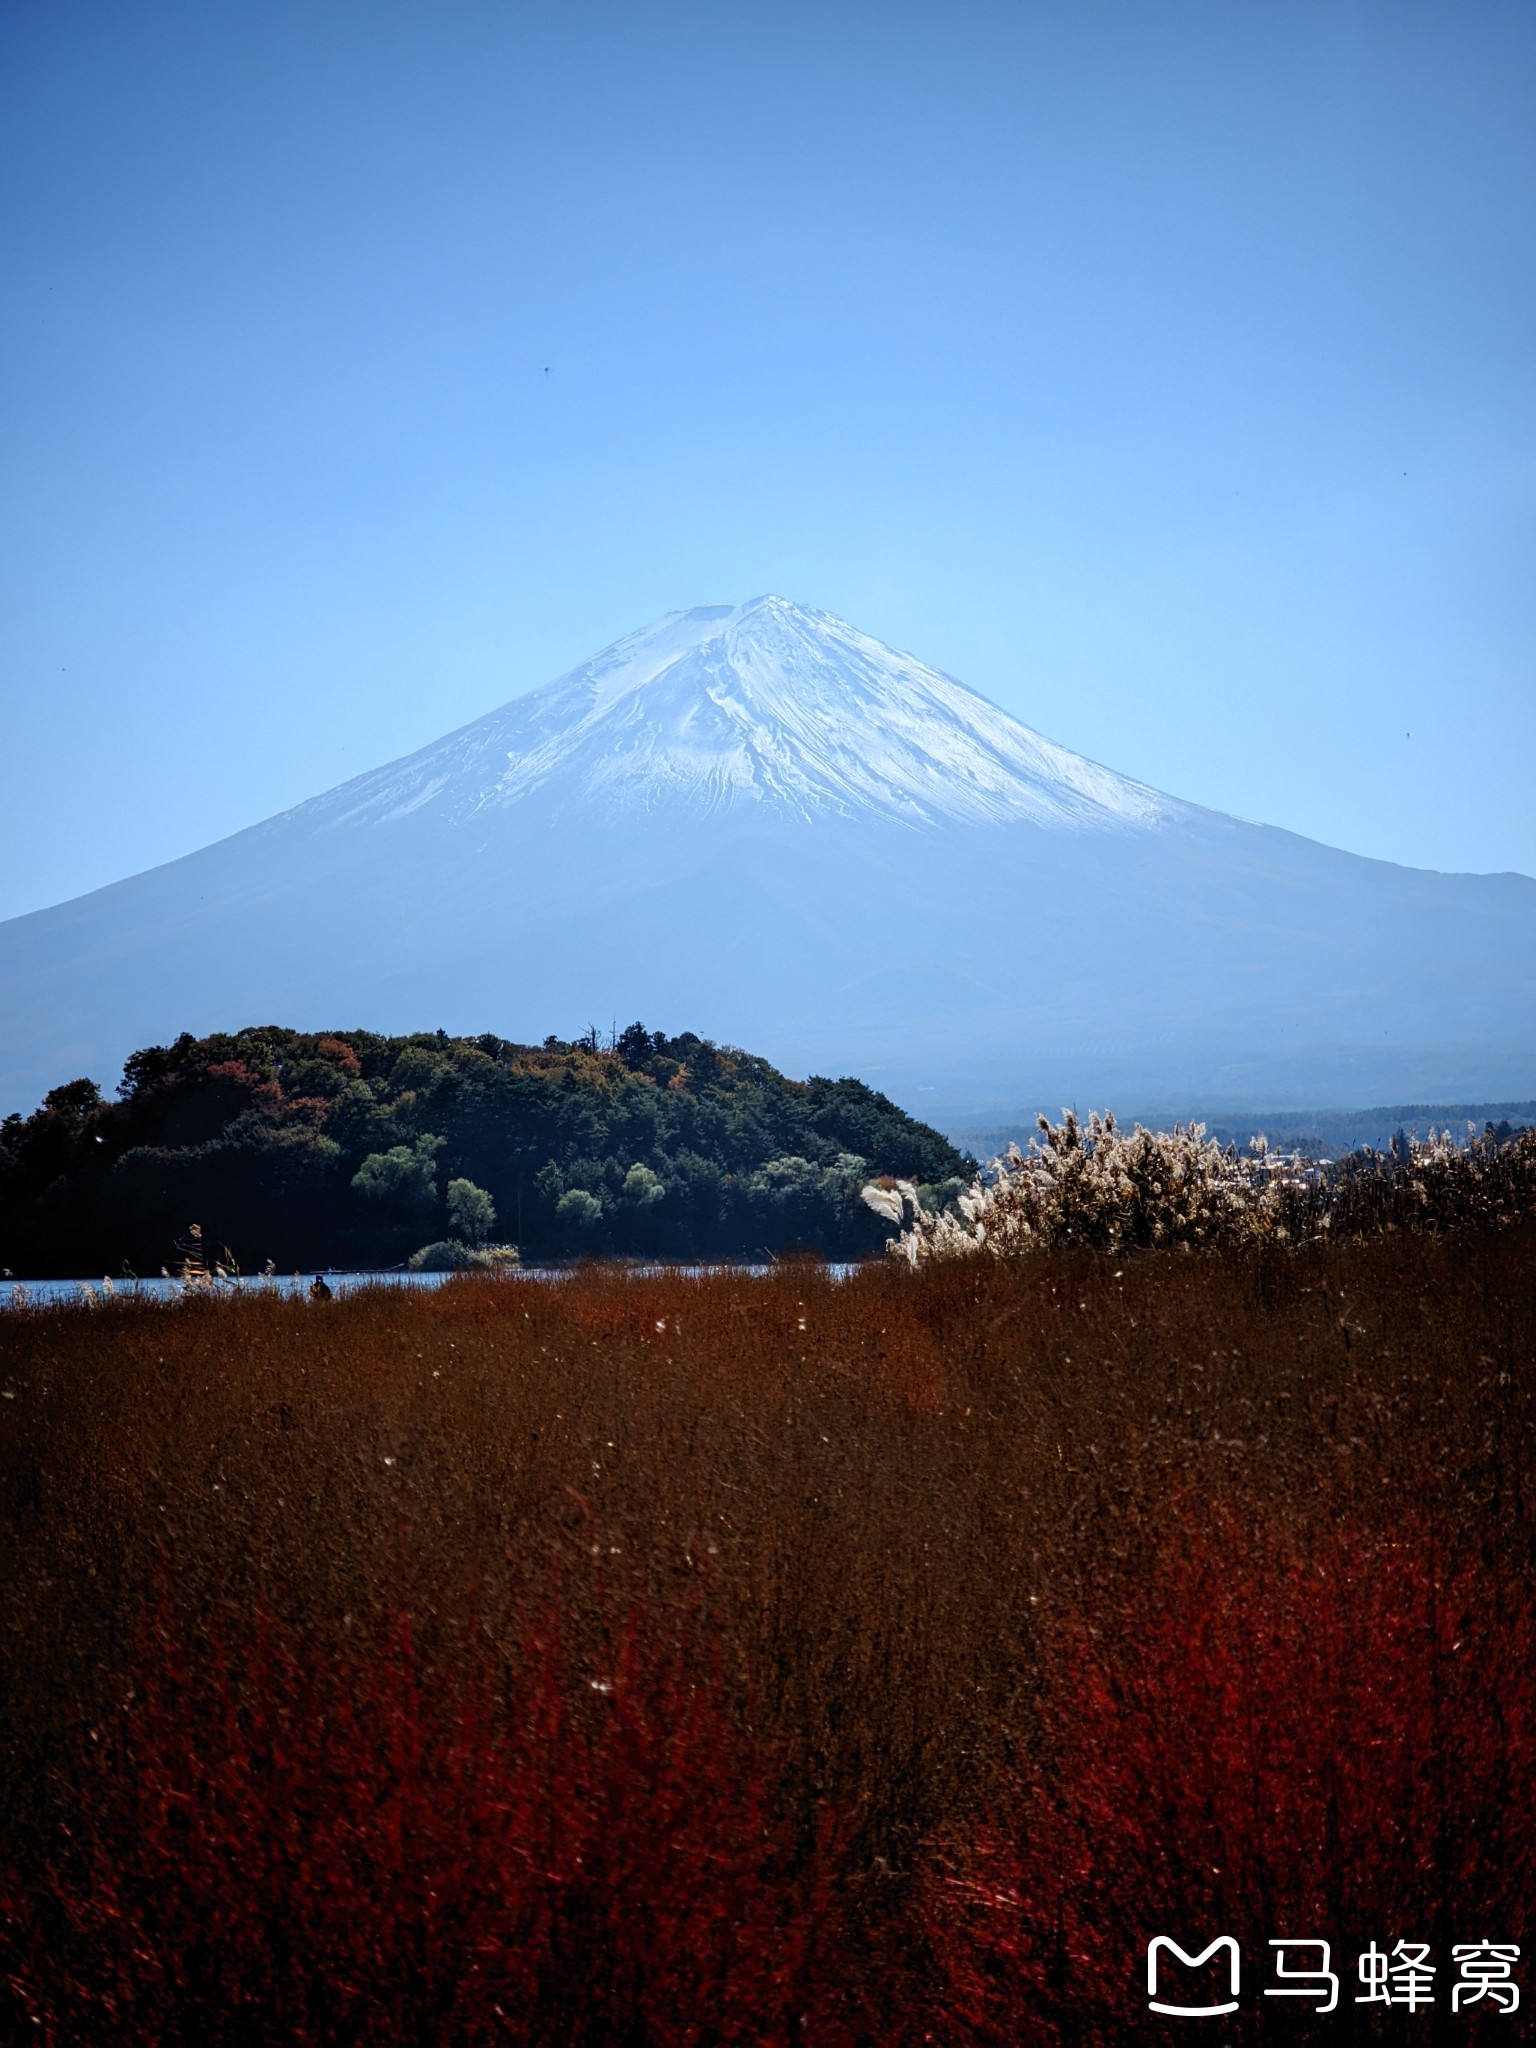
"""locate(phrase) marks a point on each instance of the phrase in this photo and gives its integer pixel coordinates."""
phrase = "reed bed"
(668, 1659)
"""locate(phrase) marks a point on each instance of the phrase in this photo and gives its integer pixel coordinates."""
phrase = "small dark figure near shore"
(318, 1291)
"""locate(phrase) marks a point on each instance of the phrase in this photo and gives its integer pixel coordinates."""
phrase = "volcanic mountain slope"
(766, 708)
(762, 824)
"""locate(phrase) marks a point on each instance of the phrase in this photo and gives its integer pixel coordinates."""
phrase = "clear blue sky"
(1165, 372)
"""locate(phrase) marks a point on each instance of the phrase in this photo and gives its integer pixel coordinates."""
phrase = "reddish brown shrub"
(1241, 1742)
(941, 1523)
(280, 1846)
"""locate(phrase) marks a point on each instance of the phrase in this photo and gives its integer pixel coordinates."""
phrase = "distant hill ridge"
(1315, 1133)
(352, 1148)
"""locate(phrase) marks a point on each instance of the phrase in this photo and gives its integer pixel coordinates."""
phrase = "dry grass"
(876, 1510)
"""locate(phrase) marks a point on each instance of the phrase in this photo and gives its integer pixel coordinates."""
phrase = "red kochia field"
(701, 1660)
(287, 1849)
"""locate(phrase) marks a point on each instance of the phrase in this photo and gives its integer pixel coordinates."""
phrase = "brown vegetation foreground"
(1026, 1607)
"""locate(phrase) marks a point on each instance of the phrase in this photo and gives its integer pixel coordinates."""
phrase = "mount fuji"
(760, 824)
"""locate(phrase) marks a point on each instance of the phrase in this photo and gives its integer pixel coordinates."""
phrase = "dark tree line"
(350, 1148)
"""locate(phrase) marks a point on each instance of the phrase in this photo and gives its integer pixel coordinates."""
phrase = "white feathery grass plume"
(1100, 1187)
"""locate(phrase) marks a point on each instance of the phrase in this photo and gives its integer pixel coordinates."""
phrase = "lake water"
(15, 1293)
(89, 1293)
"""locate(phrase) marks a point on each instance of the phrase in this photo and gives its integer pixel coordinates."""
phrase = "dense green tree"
(332, 1148)
(643, 1189)
(471, 1211)
(405, 1175)
(578, 1212)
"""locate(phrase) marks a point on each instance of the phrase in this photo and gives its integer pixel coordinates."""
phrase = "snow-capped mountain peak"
(754, 822)
(762, 704)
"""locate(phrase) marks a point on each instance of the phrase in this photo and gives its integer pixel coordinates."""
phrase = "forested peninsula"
(352, 1149)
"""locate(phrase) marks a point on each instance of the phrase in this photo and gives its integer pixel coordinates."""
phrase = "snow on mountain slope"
(764, 704)
(757, 823)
